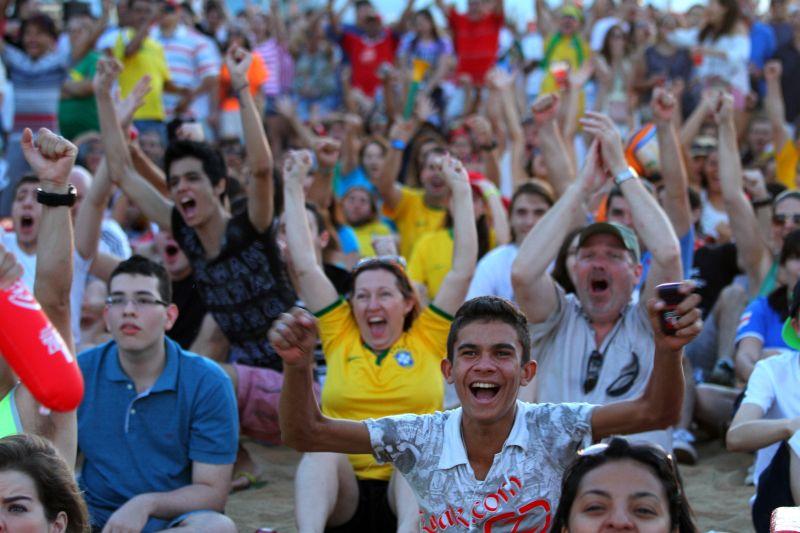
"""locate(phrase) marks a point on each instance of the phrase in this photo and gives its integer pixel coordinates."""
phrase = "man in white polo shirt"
(495, 462)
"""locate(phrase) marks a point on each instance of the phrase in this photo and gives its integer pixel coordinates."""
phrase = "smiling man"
(495, 462)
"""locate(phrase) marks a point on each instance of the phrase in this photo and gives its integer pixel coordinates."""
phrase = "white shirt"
(522, 486)
(493, 274)
(563, 343)
(774, 386)
(80, 273)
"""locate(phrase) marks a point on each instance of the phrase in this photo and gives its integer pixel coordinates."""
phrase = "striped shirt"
(191, 57)
(37, 86)
(279, 64)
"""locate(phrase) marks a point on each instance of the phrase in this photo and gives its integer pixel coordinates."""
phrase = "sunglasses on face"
(622, 384)
(780, 219)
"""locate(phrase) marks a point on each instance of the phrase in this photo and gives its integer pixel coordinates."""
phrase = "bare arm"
(465, 239)
(52, 158)
(148, 170)
(774, 106)
(386, 183)
(320, 193)
(749, 431)
(649, 219)
(260, 196)
(754, 256)
(90, 215)
(673, 169)
(544, 18)
(211, 342)
(77, 88)
(500, 224)
(660, 404)
(97, 28)
(313, 287)
(303, 426)
(148, 199)
(748, 352)
(502, 82)
(534, 288)
(560, 168)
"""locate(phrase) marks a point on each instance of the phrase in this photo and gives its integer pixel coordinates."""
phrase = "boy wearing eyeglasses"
(495, 463)
(158, 426)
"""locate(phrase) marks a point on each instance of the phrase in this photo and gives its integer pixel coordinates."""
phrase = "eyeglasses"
(138, 301)
(780, 219)
(622, 384)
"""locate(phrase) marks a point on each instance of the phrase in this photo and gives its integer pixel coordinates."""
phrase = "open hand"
(294, 335)
(51, 157)
(128, 106)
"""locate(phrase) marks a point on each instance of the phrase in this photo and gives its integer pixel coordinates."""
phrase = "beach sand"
(715, 488)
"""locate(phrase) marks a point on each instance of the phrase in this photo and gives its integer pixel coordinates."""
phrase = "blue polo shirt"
(136, 443)
(763, 322)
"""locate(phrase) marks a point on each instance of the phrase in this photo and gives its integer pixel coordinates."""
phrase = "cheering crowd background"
(377, 95)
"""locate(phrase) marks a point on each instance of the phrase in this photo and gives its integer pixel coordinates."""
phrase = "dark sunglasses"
(395, 260)
(780, 220)
(622, 384)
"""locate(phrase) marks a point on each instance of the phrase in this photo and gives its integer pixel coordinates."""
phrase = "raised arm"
(544, 18)
(97, 29)
(754, 256)
(465, 238)
(500, 224)
(534, 288)
(327, 151)
(650, 221)
(154, 206)
(260, 194)
(673, 169)
(303, 426)
(314, 288)
(775, 107)
(660, 404)
(502, 82)
(560, 168)
(387, 185)
(52, 158)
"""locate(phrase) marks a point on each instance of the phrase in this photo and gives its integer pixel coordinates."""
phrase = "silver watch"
(625, 175)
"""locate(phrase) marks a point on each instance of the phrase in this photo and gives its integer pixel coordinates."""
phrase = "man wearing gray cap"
(595, 346)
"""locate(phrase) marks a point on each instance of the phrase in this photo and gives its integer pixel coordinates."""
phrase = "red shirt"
(366, 56)
(475, 42)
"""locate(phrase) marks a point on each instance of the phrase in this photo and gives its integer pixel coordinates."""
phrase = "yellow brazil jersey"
(361, 383)
(149, 60)
(573, 50)
(786, 165)
(365, 233)
(432, 258)
(413, 218)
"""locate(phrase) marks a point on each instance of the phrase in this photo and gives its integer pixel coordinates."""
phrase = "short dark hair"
(55, 484)
(41, 21)
(661, 464)
(141, 266)
(212, 161)
(490, 309)
(26, 178)
(791, 247)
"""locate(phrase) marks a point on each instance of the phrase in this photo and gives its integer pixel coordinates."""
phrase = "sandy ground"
(715, 489)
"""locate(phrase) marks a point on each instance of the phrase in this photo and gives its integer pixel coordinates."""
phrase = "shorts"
(774, 489)
(258, 393)
(373, 512)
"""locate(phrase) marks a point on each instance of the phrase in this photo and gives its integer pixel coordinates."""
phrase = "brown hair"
(54, 481)
(404, 285)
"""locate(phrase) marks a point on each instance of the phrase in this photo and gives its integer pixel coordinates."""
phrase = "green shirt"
(79, 115)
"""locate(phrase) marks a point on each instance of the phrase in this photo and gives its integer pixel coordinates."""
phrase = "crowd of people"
(451, 259)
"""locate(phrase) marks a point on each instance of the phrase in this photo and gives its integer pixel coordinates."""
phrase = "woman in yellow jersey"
(383, 356)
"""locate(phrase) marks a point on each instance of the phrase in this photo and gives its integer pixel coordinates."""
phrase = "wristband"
(397, 144)
(625, 175)
(491, 192)
(764, 202)
(52, 199)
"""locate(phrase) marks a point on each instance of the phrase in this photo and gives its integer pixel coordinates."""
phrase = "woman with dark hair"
(620, 485)
(723, 50)
(614, 72)
(383, 355)
(427, 44)
(39, 488)
(759, 334)
(565, 262)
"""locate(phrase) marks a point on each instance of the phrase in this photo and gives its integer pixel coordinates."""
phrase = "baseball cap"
(624, 233)
(788, 333)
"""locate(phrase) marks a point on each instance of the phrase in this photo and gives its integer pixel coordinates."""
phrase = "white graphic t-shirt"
(522, 487)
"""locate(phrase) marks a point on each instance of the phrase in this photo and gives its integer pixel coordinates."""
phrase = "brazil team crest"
(404, 358)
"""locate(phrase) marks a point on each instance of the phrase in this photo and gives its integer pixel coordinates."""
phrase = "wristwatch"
(52, 199)
(625, 175)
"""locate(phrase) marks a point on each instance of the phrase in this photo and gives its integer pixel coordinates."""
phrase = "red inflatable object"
(36, 352)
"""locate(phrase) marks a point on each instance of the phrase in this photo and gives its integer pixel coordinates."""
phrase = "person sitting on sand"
(382, 354)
